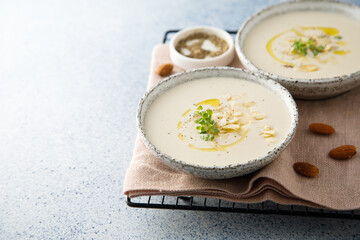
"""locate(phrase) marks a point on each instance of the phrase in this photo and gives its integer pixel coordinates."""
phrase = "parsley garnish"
(301, 48)
(206, 124)
(338, 37)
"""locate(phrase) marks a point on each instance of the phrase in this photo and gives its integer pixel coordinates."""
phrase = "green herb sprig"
(315, 49)
(338, 37)
(301, 47)
(206, 124)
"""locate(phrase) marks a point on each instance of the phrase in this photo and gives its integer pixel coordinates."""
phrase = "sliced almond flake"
(245, 120)
(269, 133)
(323, 41)
(222, 122)
(238, 107)
(238, 114)
(185, 51)
(331, 46)
(308, 68)
(270, 139)
(259, 116)
(235, 97)
(235, 105)
(227, 115)
(267, 127)
(249, 104)
(272, 131)
(219, 107)
(234, 120)
(231, 126)
(227, 131)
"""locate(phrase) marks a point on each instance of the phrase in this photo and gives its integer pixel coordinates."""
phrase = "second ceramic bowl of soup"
(310, 47)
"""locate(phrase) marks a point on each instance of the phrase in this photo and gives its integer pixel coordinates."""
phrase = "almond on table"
(343, 152)
(306, 169)
(321, 128)
(164, 69)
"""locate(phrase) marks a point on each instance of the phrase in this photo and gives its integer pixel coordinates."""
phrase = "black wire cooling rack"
(218, 205)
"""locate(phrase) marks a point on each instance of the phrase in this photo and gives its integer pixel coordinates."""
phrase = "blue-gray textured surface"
(71, 75)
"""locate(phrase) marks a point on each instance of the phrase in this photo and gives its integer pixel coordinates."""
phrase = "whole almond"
(321, 128)
(306, 169)
(343, 152)
(164, 69)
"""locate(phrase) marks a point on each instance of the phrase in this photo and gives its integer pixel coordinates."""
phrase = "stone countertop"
(71, 74)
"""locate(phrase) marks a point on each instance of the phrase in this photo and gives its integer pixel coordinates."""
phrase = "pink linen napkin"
(336, 187)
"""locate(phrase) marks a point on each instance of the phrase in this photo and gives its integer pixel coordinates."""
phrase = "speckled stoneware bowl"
(302, 88)
(217, 172)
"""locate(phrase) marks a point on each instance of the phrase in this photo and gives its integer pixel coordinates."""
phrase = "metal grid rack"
(218, 205)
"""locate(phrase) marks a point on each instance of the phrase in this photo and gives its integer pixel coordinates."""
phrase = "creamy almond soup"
(217, 121)
(305, 44)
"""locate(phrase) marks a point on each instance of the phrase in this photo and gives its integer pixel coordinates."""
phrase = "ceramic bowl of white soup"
(217, 122)
(310, 47)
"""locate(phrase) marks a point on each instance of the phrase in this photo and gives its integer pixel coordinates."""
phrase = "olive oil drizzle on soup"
(306, 44)
(256, 121)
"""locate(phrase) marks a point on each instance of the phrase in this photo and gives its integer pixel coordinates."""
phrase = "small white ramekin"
(188, 63)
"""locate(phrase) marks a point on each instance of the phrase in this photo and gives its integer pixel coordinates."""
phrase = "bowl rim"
(229, 41)
(281, 146)
(249, 65)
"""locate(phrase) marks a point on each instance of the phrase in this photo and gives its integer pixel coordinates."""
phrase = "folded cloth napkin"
(336, 187)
